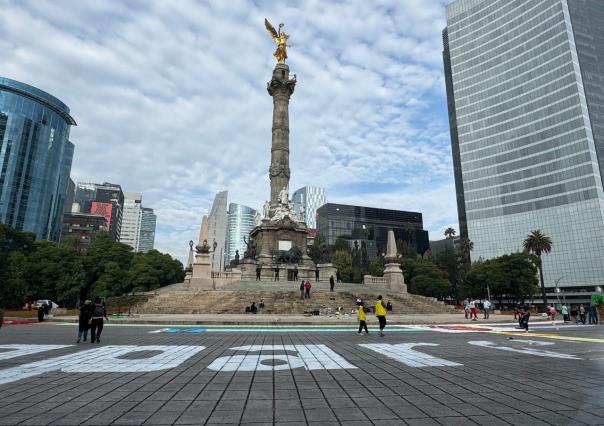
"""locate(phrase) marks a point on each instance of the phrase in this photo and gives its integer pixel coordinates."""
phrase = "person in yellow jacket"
(362, 318)
(380, 313)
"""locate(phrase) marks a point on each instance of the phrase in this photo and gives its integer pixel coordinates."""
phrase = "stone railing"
(370, 280)
(222, 274)
(222, 278)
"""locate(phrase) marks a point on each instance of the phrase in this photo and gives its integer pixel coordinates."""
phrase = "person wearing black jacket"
(84, 320)
(96, 325)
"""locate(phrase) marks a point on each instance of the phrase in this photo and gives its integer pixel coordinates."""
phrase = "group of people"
(91, 316)
(253, 309)
(305, 287)
(470, 309)
(580, 314)
(381, 310)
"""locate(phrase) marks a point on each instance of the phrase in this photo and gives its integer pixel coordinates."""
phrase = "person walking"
(472, 306)
(564, 311)
(486, 307)
(524, 319)
(96, 325)
(84, 317)
(331, 283)
(551, 313)
(307, 287)
(582, 313)
(362, 318)
(380, 313)
(302, 290)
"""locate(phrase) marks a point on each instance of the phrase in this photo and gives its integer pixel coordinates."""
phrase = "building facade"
(109, 193)
(217, 230)
(309, 198)
(146, 239)
(525, 89)
(35, 159)
(85, 227)
(241, 221)
(130, 230)
(368, 226)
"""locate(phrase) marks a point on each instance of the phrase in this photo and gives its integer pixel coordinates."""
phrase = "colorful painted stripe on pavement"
(271, 329)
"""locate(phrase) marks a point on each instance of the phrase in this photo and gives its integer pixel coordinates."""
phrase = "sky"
(170, 100)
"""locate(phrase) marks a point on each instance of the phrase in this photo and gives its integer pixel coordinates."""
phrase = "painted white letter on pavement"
(404, 353)
(105, 360)
(311, 357)
(528, 351)
(15, 351)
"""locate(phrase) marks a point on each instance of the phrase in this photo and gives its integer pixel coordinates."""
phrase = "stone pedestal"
(201, 278)
(326, 270)
(248, 269)
(394, 278)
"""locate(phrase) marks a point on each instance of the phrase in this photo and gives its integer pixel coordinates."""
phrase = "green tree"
(426, 278)
(14, 284)
(537, 242)
(341, 245)
(377, 266)
(449, 261)
(317, 250)
(112, 282)
(100, 252)
(449, 232)
(342, 260)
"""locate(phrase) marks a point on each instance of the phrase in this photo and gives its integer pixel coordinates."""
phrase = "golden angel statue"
(280, 38)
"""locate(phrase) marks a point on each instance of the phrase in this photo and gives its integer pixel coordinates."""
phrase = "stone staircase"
(283, 297)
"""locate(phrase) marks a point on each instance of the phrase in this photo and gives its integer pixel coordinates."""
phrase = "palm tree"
(537, 243)
(465, 247)
(449, 232)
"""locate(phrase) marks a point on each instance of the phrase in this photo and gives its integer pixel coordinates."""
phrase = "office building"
(368, 226)
(241, 221)
(217, 230)
(84, 196)
(146, 239)
(35, 159)
(85, 227)
(525, 90)
(131, 219)
(110, 194)
(309, 198)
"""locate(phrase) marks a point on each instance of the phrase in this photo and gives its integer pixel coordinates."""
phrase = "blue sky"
(170, 100)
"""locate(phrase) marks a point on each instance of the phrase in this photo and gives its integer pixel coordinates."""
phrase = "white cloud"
(170, 99)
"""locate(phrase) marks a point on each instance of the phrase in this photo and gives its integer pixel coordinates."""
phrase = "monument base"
(201, 277)
(394, 278)
(326, 270)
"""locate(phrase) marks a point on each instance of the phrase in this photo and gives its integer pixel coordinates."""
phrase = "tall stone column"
(280, 88)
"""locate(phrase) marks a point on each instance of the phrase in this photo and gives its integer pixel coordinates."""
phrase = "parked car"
(50, 303)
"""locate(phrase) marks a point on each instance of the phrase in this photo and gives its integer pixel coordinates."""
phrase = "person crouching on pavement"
(380, 313)
(84, 320)
(96, 324)
(362, 318)
(524, 318)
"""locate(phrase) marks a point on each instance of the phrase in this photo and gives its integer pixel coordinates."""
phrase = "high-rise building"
(109, 193)
(84, 196)
(85, 227)
(525, 90)
(368, 227)
(146, 239)
(241, 221)
(310, 198)
(217, 229)
(35, 159)
(70, 196)
(131, 219)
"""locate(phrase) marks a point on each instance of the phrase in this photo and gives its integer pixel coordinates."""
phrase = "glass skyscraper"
(525, 89)
(35, 159)
(240, 223)
(146, 239)
(311, 198)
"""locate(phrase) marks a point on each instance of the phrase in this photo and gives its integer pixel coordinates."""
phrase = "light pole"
(558, 291)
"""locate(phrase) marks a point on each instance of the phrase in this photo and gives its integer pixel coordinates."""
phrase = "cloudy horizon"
(170, 100)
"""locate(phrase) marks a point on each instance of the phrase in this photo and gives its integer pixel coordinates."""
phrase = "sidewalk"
(261, 319)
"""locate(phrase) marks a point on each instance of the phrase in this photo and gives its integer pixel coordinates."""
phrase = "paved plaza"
(301, 375)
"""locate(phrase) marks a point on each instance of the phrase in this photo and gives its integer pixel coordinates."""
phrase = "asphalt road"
(297, 376)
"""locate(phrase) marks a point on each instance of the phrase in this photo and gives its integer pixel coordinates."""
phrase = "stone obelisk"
(393, 273)
(280, 88)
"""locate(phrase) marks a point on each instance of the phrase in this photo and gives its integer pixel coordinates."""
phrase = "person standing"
(486, 306)
(551, 312)
(96, 325)
(295, 272)
(380, 313)
(362, 318)
(331, 283)
(472, 306)
(258, 273)
(466, 308)
(564, 311)
(307, 287)
(338, 277)
(41, 313)
(84, 320)
(302, 290)
(582, 313)
(524, 319)
(593, 313)
(276, 273)
(317, 274)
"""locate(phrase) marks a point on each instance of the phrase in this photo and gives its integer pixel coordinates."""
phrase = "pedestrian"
(389, 306)
(338, 277)
(564, 311)
(593, 313)
(296, 273)
(466, 308)
(582, 313)
(551, 312)
(380, 313)
(84, 317)
(301, 289)
(317, 275)
(524, 319)
(258, 273)
(41, 313)
(96, 324)
(307, 287)
(472, 306)
(261, 304)
(331, 283)
(253, 308)
(276, 273)
(486, 307)
(362, 318)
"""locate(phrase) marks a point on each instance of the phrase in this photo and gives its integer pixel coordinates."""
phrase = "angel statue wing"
(271, 29)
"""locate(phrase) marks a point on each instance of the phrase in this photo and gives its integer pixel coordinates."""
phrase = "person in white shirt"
(473, 310)
(486, 307)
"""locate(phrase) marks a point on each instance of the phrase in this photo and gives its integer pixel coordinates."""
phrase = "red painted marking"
(18, 322)
(460, 327)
